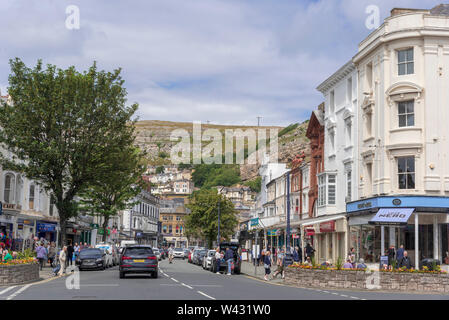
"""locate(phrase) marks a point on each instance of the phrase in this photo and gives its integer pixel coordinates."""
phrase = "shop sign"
(45, 227)
(328, 226)
(397, 202)
(364, 205)
(94, 226)
(309, 230)
(26, 222)
(392, 216)
(254, 222)
(272, 232)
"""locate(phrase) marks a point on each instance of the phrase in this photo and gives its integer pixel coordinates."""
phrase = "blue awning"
(392, 216)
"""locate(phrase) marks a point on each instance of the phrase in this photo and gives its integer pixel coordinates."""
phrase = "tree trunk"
(105, 225)
(63, 232)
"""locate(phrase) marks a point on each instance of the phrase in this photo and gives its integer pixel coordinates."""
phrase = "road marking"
(206, 295)
(170, 284)
(343, 295)
(174, 280)
(6, 290)
(326, 291)
(18, 292)
(354, 298)
(100, 285)
(166, 275)
(334, 293)
(206, 285)
(186, 286)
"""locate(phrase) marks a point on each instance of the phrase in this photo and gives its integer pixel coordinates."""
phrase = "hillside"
(154, 137)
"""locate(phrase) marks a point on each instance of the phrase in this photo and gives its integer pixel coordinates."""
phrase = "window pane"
(331, 178)
(401, 56)
(410, 120)
(401, 165)
(402, 121)
(401, 107)
(402, 184)
(411, 164)
(410, 107)
(410, 181)
(401, 69)
(409, 54)
(410, 68)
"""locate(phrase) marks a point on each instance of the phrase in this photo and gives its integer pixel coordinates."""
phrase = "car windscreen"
(178, 249)
(133, 252)
(90, 252)
(233, 247)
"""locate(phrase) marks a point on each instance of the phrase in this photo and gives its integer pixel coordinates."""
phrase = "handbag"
(266, 266)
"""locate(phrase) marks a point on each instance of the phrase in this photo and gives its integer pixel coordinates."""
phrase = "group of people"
(68, 254)
(400, 256)
(226, 257)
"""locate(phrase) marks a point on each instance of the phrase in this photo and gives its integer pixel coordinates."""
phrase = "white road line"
(166, 275)
(18, 292)
(335, 293)
(354, 298)
(186, 286)
(6, 290)
(174, 280)
(343, 295)
(326, 291)
(99, 285)
(206, 295)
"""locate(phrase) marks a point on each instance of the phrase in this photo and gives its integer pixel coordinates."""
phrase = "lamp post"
(288, 255)
(218, 235)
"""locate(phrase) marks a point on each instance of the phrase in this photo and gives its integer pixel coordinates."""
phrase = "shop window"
(169, 229)
(348, 185)
(405, 62)
(406, 114)
(406, 172)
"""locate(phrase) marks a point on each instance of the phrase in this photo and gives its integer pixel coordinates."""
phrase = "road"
(184, 281)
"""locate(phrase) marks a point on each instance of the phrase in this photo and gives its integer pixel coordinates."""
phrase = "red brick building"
(315, 133)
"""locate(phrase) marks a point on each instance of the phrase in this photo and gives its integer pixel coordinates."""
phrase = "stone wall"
(20, 273)
(333, 279)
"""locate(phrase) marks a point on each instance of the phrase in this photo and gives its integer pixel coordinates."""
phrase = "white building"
(335, 183)
(403, 135)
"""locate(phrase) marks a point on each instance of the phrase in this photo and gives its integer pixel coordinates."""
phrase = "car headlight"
(99, 260)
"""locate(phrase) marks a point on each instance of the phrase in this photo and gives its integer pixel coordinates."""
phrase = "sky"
(223, 61)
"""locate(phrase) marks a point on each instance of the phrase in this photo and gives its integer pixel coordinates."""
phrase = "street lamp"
(288, 255)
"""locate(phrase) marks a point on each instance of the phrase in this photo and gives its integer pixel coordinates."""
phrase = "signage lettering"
(364, 205)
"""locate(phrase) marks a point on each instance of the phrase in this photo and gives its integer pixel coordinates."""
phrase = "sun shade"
(392, 216)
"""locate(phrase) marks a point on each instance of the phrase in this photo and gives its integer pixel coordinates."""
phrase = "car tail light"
(152, 258)
(126, 258)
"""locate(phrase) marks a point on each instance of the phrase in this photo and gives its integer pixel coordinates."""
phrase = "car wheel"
(154, 275)
(122, 275)
(236, 271)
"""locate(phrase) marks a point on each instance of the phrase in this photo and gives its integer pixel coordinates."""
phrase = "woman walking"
(41, 254)
(62, 260)
(267, 265)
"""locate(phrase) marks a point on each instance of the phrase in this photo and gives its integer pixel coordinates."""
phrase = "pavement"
(258, 272)
(183, 281)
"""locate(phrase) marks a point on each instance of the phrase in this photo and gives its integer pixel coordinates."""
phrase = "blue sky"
(226, 61)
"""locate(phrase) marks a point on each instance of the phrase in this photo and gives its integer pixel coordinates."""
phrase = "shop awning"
(392, 216)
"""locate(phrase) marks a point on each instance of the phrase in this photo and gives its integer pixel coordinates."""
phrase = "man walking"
(69, 254)
(170, 254)
(41, 254)
(229, 257)
(400, 253)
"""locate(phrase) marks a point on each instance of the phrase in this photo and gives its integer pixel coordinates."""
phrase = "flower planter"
(356, 279)
(18, 273)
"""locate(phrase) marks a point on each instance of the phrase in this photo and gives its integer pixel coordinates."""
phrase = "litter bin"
(428, 262)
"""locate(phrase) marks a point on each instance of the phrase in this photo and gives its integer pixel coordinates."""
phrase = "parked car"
(157, 253)
(207, 259)
(198, 255)
(91, 258)
(138, 259)
(109, 253)
(235, 246)
(178, 253)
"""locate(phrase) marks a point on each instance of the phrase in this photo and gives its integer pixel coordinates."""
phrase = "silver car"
(157, 253)
(178, 253)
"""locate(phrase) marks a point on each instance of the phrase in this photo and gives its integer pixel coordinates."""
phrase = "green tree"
(117, 184)
(202, 222)
(160, 169)
(61, 126)
(211, 175)
(255, 184)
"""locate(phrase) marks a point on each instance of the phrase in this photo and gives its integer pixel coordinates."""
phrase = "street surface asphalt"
(184, 281)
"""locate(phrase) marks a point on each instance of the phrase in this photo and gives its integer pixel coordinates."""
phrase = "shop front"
(419, 223)
(46, 230)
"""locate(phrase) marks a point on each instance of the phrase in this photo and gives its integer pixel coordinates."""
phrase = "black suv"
(138, 259)
(223, 264)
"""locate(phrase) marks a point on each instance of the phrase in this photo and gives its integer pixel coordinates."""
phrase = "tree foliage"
(254, 185)
(211, 175)
(61, 126)
(202, 222)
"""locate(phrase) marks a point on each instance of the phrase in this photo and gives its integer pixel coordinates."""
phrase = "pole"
(130, 224)
(416, 242)
(218, 236)
(256, 255)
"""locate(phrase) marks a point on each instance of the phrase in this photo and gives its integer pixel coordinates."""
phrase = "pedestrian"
(400, 253)
(296, 255)
(280, 264)
(361, 264)
(41, 254)
(170, 254)
(405, 261)
(351, 254)
(348, 264)
(229, 258)
(62, 260)
(308, 262)
(51, 253)
(77, 250)
(309, 250)
(391, 254)
(69, 254)
(267, 265)
(218, 258)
